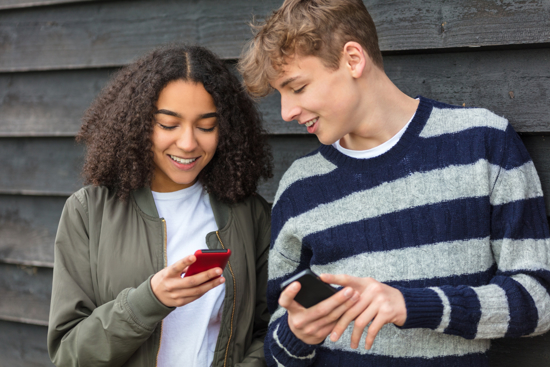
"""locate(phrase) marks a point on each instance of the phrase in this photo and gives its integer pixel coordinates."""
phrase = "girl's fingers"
(196, 292)
(200, 278)
(176, 269)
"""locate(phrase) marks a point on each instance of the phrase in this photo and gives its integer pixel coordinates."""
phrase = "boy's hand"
(378, 303)
(174, 291)
(312, 325)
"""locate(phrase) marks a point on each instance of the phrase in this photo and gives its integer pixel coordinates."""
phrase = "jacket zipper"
(234, 302)
(165, 258)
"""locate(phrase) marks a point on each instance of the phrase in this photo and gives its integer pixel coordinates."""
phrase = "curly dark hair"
(117, 127)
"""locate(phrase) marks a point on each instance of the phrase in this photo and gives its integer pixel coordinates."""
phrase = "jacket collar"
(145, 201)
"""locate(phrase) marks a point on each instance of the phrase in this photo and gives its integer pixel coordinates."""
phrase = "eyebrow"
(175, 114)
(288, 81)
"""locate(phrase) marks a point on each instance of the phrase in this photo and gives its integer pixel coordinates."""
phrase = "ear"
(355, 58)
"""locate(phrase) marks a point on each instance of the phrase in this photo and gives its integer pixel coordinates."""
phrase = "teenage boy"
(430, 216)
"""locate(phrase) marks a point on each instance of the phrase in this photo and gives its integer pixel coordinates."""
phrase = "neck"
(383, 111)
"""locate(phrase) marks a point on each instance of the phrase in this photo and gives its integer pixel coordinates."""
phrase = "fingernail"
(334, 337)
(222, 280)
(355, 296)
(219, 271)
(348, 292)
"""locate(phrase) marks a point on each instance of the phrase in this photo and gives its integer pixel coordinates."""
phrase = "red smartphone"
(208, 259)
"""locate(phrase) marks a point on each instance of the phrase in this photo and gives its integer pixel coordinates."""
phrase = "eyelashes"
(169, 128)
(164, 127)
(297, 91)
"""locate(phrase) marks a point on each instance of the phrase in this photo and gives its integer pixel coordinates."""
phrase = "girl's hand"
(174, 291)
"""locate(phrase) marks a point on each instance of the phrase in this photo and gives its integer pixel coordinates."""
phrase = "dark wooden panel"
(23, 345)
(12, 4)
(28, 225)
(47, 103)
(52, 103)
(429, 24)
(524, 352)
(26, 293)
(113, 33)
(539, 149)
(40, 165)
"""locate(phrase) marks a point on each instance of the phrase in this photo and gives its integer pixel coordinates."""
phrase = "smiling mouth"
(311, 122)
(183, 160)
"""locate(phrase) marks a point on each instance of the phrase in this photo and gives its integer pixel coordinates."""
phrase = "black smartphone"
(313, 289)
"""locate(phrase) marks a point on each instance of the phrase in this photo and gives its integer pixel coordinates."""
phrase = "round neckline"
(179, 194)
(412, 132)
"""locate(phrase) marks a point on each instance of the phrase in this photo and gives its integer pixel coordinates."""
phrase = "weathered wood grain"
(47, 103)
(28, 225)
(40, 165)
(26, 293)
(23, 345)
(539, 149)
(14, 4)
(524, 352)
(52, 103)
(435, 24)
(113, 33)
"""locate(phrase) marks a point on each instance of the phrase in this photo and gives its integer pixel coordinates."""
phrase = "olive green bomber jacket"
(103, 310)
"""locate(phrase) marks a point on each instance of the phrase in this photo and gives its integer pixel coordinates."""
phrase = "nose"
(187, 140)
(289, 108)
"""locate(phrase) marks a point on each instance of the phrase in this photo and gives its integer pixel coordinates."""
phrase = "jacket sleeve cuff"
(145, 307)
(424, 308)
(287, 341)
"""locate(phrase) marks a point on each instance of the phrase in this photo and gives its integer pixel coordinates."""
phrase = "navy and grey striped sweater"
(453, 216)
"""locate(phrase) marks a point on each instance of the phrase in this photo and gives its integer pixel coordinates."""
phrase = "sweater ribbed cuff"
(286, 339)
(145, 307)
(424, 308)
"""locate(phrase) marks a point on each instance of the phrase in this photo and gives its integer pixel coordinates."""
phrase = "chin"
(327, 140)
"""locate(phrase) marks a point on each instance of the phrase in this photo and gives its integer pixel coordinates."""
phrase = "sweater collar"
(146, 203)
(396, 152)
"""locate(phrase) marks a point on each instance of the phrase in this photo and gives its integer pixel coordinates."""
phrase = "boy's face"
(326, 101)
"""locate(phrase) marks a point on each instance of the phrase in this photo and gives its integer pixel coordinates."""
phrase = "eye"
(298, 91)
(164, 127)
(209, 130)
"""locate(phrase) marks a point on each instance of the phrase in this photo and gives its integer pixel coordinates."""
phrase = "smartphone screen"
(313, 289)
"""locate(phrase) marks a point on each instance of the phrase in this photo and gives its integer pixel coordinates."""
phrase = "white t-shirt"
(190, 332)
(376, 151)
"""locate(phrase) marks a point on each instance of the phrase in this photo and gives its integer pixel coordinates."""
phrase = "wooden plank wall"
(55, 56)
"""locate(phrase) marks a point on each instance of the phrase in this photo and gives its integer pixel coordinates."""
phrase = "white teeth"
(182, 160)
(311, 122)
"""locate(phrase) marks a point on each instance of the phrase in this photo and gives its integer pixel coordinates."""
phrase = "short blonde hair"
(308, 28)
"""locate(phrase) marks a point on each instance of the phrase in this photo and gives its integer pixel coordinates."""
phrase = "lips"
(311, 122)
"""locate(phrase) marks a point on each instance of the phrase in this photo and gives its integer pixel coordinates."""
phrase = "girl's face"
(185, 135)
